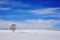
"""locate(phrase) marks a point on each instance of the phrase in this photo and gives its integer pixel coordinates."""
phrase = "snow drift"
(29, 35)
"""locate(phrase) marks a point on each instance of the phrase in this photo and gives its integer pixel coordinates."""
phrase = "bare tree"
(13, 27)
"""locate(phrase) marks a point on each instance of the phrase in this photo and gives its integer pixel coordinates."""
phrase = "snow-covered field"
(29, 35)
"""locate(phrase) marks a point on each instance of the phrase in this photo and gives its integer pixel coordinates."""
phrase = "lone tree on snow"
(13, 27)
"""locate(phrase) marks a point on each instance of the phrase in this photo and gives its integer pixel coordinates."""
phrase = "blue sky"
(30, 14)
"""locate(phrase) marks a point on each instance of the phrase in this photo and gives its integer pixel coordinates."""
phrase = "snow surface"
(29, 35)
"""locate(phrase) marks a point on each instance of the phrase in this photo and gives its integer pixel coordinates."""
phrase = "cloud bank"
(30, 24)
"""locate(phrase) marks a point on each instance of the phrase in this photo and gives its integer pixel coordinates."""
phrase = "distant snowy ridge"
(30, 31)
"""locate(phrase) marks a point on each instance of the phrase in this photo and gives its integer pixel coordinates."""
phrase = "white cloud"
(18, 4)
(13, 3)
(31, 24)
(5, 9)
(42, 24)
(3, 1)
(46, 11)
